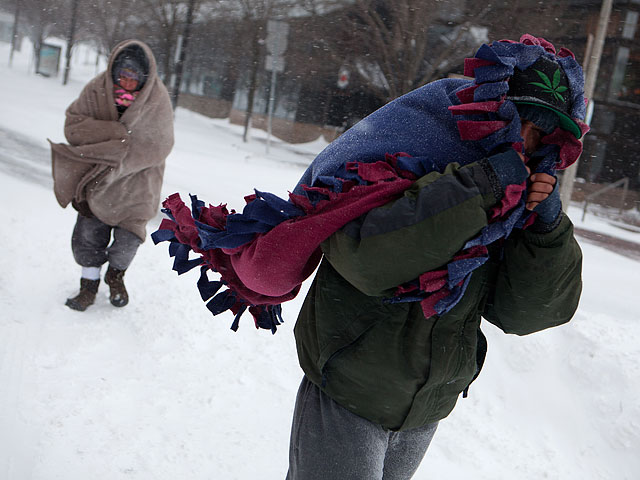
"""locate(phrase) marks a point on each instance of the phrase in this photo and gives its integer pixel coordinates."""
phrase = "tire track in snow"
(21, 157)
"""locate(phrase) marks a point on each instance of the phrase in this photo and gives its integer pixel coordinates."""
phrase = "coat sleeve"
(421, 231)
(539, 281)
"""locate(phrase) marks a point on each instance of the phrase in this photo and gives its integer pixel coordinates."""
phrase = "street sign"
(274, 63)
(278, 26)
(49, 63)
(276, 41)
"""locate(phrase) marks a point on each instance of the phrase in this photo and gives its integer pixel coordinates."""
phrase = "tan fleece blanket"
(115, 164)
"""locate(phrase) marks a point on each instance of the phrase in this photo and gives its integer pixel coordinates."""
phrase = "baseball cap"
(545, 84)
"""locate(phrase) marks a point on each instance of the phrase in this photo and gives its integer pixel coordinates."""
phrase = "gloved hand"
(543, 196)
(549, 208)
(509, 168)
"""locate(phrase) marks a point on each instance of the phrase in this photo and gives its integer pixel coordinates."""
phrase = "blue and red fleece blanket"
(264, 253)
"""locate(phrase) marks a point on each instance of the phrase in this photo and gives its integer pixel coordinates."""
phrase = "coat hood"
(133, 54)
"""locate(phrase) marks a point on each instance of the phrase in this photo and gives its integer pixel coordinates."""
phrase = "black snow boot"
(86, 296)
(118, 293)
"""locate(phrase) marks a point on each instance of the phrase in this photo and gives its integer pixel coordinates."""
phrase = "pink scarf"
(124, 98)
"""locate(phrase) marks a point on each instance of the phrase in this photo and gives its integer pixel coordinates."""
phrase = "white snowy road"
(23, 158)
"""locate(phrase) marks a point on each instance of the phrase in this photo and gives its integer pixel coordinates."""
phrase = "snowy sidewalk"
(627, 248)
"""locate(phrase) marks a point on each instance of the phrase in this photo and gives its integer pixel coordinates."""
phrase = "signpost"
(276, 43)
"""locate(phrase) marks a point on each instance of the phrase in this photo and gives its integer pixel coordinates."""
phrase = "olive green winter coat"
(387, 362)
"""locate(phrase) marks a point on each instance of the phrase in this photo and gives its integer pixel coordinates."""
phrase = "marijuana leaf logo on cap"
(554, 88)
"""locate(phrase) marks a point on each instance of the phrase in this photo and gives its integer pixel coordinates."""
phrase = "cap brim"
(566, 122)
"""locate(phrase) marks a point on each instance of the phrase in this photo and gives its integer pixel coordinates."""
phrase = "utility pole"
(14, 35)
(183, 54)
(276, 43)
(72, 32)
(593, 65)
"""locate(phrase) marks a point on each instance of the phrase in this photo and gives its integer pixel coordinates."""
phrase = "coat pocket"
(340, 344)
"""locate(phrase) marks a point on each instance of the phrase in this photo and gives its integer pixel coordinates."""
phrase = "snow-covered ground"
(162, 390)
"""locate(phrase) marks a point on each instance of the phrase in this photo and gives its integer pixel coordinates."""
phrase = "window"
(630, 24)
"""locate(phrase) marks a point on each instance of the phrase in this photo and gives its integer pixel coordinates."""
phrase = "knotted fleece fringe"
(265, 253)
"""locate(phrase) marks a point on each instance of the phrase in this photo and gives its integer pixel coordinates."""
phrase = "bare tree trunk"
(72, 32)
(14, 35)
(255, 56)
(37, 47)
(168, 55)
(183, 53)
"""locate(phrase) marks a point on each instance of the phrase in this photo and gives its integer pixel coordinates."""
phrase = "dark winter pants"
(330, 443)
(90, 244)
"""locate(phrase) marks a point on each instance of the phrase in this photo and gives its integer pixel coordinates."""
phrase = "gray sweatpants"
(90, 244)
(328, 442)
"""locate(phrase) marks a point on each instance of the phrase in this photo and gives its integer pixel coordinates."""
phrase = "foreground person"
(120, 131)
(437, 210)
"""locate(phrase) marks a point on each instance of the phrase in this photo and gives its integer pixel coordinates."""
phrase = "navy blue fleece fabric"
(509, 168)
(549, 209)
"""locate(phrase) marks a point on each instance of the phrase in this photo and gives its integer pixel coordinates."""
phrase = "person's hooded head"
(130, 68)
